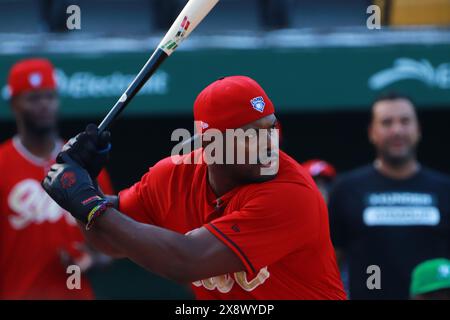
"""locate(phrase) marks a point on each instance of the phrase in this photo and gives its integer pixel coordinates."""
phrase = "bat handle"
(112, 114)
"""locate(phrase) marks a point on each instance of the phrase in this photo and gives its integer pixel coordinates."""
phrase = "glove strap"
(97, 211)
(106, 149)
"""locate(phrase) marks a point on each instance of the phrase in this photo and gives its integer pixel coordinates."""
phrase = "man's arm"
(181, 258)
(338, 230)
(99, 241)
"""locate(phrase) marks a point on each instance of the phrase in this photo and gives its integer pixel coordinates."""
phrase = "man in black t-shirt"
(389, 216)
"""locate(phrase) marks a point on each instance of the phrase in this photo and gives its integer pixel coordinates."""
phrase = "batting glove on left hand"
(73, 189)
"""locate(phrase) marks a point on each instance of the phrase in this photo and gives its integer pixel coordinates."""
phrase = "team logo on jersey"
(35, 79)
(68, 179)
(258, 103)
(224, 283)
(32, 205)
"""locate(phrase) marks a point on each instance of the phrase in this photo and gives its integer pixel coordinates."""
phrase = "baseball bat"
(189, 18)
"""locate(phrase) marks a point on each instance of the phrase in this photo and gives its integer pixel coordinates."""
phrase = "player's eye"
(386, 122)
(405, 121)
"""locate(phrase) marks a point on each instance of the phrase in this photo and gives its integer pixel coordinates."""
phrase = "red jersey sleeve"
(104, 181)
(273, 223)
(143, 201)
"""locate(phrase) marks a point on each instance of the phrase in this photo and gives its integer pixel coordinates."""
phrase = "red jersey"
(279, 228)
(34, 230)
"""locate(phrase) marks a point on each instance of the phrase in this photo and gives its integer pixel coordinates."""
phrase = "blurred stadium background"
(316, 58)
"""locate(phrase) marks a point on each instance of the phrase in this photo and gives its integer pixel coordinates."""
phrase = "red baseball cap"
(230, 103)
(320, 168)
(31, 74)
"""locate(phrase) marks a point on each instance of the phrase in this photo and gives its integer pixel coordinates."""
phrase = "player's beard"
(36, 129)
(397, 161)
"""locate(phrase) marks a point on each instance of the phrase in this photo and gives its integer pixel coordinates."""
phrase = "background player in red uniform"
(36, 235)
(323, 174)
(232, 232)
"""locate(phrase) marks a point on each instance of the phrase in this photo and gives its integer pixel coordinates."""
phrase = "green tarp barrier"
(300, 79)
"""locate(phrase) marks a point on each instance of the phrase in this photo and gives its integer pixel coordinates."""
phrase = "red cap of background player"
(320, 168)
(31, 74)
(230, 103)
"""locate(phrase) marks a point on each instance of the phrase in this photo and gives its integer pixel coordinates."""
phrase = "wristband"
(97, 211)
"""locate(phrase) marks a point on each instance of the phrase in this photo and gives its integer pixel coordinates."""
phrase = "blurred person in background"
(393, 213)
(323, 174)
(431, 280)
(38, 239)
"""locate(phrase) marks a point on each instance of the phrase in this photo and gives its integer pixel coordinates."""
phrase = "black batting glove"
(73, 189)
(89, 149)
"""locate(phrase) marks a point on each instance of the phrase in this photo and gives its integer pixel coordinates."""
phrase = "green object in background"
(430, 276)
(296, 79)
(125, 280)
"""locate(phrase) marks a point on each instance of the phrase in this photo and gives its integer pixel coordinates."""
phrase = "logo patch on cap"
(204, 125)
(35, 79)
(258, 103)
(317, 168)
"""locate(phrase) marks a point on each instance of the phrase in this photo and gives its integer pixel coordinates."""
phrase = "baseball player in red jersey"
(323, 174)
(228, 229)
(36, 234)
